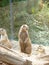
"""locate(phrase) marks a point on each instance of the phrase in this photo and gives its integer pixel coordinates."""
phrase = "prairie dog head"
(24, 27)
(2, 31)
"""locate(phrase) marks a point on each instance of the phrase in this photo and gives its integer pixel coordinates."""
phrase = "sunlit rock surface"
(37, 57)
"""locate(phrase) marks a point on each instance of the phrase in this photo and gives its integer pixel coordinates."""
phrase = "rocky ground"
(39, 56)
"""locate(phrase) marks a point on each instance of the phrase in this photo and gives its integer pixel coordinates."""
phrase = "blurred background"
(34, 13)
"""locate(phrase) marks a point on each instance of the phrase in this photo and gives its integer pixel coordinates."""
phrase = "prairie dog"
(41, 50)
(24, 40)
(4, 38)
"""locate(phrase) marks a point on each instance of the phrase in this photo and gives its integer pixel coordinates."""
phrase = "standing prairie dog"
(4, 38)
(24, 40)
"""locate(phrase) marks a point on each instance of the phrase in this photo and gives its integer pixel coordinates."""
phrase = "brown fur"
(4, 38)
(24, 40)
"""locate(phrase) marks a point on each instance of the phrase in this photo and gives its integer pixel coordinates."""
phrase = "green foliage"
(42, 18)
(45, 1)
(38, 21)
(6, 2)
(33, 10)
